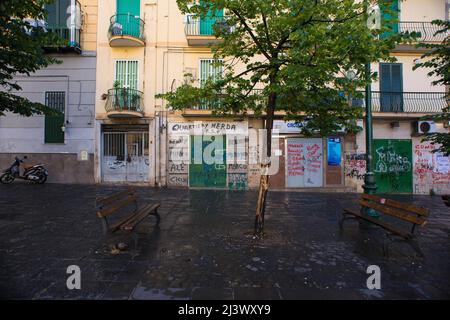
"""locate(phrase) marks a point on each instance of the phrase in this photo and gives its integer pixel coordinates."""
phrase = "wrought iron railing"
(124, 99)
(126, 25)
(196, 26)
(72, 36)
(426, 31)
(414, 102)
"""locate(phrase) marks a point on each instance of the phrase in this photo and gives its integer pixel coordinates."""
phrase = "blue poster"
(334, 151)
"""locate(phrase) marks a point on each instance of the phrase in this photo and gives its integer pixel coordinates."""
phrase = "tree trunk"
(265, 165)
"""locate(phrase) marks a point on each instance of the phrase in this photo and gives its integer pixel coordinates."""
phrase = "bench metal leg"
(345, 216)
(156, 214)
(135, 238)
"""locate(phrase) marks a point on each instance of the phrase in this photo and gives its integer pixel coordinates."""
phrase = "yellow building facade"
(146, 47)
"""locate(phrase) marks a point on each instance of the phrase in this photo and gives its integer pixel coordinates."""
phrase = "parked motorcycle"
(34, 173)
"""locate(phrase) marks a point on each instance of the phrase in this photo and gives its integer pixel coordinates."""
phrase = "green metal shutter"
(209, 71)
(54, 124)
(390, 17)
(127, 74)
(391, 87)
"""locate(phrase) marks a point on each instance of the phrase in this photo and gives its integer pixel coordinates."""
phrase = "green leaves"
(21, 51)
(297, 53)
(437, 60)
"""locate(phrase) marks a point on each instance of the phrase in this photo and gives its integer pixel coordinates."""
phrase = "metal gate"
(125, 156)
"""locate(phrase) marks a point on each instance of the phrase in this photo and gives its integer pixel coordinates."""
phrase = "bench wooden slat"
(140, 215)
(117, 224)
(105, 201)
(393, 212)
(399, 205)
(116, 206)
(378, 223)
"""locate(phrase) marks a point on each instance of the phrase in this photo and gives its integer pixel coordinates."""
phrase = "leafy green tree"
(437, 58)
(21, 52)
(299, 53)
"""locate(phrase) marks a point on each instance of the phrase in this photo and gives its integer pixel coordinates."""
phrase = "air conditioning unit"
(426, 127)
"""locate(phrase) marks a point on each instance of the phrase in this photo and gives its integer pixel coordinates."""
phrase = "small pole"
(370, 186)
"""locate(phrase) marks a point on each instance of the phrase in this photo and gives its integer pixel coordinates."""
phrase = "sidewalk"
(204, 248)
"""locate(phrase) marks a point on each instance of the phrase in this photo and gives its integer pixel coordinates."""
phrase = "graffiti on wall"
(304, 162)
(390, 161)
(431, 170)
(236, 158)
(178, 160)
(393, 165)
(355, 166)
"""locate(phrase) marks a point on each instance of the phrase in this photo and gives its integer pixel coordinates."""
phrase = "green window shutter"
(127, 74)
(390, 17)
(207, 22)
(54, 124)
(391, 87)
(132, 7)
(209, 71)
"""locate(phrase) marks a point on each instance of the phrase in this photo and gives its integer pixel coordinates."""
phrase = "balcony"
(66, 25)
(406, 102)
(126, 31)
(71, 36)
(124, 103)
(426, 33)
(200, 31)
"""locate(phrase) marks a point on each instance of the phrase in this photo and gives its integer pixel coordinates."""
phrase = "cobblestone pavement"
(204, 248)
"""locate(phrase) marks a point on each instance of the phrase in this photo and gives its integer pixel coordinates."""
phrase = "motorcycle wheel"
(6, 178)
(42, 179)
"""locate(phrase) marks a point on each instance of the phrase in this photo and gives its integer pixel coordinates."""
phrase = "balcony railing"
(196, 26)
(126, 25)
(426, 31)
(72, 36)
(413, 102)
(124, 100)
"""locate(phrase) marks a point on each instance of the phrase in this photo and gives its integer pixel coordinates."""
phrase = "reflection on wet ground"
(204, 248)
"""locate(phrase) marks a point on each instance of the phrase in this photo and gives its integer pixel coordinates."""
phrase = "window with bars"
(209, 69)
(127, 73)
(54, 124)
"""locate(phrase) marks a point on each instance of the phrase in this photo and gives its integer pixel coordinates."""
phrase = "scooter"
(34, 173)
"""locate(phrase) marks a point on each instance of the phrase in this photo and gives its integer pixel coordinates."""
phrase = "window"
(209, 70)
(54, 124)
(391, 87)
(58, 13)
(127, 74)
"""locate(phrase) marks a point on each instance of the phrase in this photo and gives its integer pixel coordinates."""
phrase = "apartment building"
(401, 97)
(145, 47)
(65, 144)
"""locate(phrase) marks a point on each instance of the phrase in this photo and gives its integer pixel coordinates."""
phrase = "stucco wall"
(62, 168)
(76, 77)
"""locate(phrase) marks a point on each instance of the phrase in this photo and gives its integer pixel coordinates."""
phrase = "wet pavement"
(204, 248)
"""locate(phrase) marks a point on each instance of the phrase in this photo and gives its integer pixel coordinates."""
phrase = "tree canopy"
(299, 53)
(21, 52)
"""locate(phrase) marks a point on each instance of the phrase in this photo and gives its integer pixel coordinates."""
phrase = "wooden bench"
(126, 201)
(397, 211)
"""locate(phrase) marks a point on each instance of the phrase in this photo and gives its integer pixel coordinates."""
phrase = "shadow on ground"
(204, 248)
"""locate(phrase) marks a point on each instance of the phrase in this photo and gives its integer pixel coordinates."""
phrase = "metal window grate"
(56, 100)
